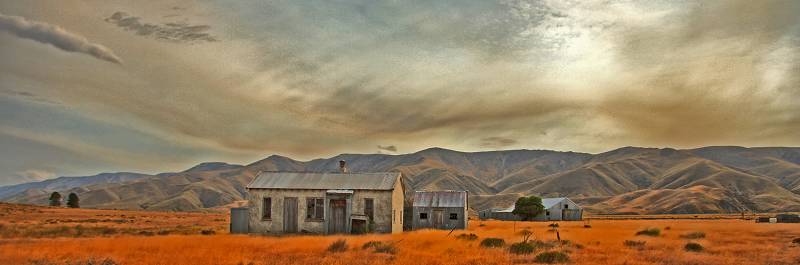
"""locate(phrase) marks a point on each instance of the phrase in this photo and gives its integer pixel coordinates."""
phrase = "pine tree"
(55, 199)
(73, 201)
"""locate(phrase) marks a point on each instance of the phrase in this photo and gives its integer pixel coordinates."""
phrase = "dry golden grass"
(726, 242)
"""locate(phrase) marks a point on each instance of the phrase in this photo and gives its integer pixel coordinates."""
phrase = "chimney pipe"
(342, 166)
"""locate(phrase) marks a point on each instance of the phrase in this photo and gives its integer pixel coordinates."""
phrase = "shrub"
(147, 233)
(587, 226)
(693, 247)
(208, 232)
(551, 257)
(634, 243)
(493, 242)
(649, 232)
(482, 225)
(386, 248)
(553, 225)
(667, 228)
(521, 248)
(694, 235)
(339, 245)
(796, 240)
(371, 244)
(469, 237)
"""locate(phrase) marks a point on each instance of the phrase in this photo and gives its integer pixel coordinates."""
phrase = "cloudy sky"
(93, 86)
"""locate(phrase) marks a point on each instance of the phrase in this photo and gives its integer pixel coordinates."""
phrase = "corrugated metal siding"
(440, 198)
(325, 181)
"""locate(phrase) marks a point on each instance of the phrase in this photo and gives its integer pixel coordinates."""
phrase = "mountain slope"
(625, 180)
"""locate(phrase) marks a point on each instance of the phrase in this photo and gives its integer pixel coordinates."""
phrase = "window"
(566, 206)
(315, 208)
(423, 216)
(453, 216)
(547, 213)
(369, 209)
(266, 213)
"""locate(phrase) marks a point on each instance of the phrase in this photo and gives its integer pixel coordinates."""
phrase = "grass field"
(726, 241)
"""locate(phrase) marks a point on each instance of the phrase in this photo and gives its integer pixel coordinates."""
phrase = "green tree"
(528, 207)
(55, 199)
(73, 201)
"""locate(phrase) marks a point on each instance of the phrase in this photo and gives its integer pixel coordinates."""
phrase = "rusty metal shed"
(440, 210)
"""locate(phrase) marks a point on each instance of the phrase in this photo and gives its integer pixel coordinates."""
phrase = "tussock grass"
(551, 257)
(521, 248)
(340, 245)
(693, 247)
(634, 244)
(694, 235)
(649, 232)
(493, 242)
(468, 237)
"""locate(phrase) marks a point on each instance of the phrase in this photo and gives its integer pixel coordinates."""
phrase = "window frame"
(423, 216)
(315, 209)
(453, 216)
(266, 209)
(369, 211)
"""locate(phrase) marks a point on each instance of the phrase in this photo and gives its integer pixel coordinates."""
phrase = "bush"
(649, 232)
(208, 232)
(796, 240)
(693, 247)
(386, 248)
(493, 242)
(371, 244)
(587, 226)
(338, 246)
(482, 225)
(694, 235)
(634, 244)
(551, 257)
(469, 237)
(553, 225)
(521, 248)
(380, 247)
(667, 228)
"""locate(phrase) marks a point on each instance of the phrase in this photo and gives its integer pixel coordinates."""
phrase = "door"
(338, 223)
(290, 215)
(438, 219)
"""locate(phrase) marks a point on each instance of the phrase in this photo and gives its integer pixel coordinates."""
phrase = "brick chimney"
(342, 166)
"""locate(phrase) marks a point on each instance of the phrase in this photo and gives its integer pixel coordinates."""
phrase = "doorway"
(290, 215)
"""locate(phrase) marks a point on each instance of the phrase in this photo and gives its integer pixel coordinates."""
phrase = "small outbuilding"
(326, 203)
(440, 210)
(556, 209)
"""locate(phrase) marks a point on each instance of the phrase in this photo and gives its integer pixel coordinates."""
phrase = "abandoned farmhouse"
(325, 203)
(556, 209)
(440, 210)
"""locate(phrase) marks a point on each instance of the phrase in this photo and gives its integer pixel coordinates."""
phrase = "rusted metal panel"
(440, 199)
(239, 220)
(325, 181)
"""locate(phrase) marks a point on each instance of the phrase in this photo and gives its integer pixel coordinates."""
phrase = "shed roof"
(325, 181)
(448, 198)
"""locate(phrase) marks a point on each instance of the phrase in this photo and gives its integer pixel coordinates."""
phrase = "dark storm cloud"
(56, 36)
(722, 72)
(170, 31)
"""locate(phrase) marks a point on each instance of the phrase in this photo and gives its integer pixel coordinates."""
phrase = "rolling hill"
(625, 180)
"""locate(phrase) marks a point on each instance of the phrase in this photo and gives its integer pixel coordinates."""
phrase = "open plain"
(44, 235)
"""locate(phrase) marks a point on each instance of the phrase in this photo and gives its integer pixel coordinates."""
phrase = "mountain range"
(629, 180)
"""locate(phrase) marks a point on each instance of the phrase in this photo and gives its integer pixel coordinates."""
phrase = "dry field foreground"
(725, 242)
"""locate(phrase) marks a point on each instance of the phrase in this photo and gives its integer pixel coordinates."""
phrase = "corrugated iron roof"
(440, 198)
(325, 181)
